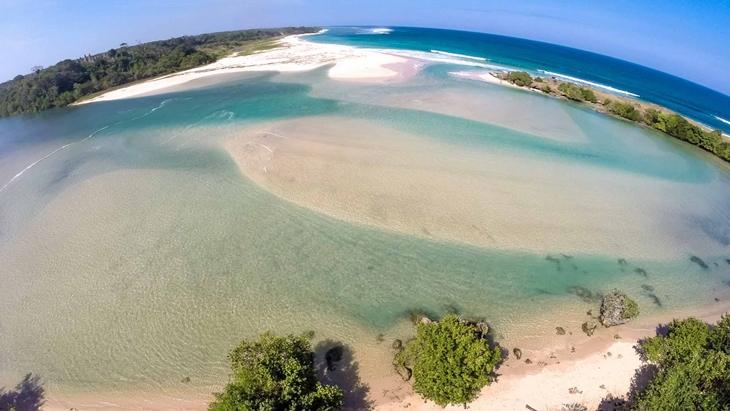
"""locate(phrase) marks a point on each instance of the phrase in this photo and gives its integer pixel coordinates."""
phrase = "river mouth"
(137, 258)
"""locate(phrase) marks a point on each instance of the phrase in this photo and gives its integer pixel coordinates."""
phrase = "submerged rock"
(583, 293)
(560, 330)
(528, 361)
(333, 356)
(640, 271)
(622, 262)
(655, 300)
(647, 287)
(699, 262)
(397, 345)
(727, 260)
(589, 327)
(617, 308)
(517, 352)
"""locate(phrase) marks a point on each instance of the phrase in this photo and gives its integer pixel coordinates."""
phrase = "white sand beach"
(293, 54)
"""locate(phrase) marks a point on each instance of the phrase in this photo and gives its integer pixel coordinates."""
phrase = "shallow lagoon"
(140, 256)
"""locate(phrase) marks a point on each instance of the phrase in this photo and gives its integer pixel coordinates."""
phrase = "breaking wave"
(590, 83)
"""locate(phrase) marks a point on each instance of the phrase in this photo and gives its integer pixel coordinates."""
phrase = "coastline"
(600, 366)
(292, 55)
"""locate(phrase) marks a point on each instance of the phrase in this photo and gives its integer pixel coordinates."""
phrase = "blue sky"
(688, 38)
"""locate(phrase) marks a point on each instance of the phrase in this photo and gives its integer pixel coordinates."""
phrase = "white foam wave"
(463, 56)
(380, 30)
(15, 177)
(723, 120)
(590, 83)
(439, 58)
(151, 111)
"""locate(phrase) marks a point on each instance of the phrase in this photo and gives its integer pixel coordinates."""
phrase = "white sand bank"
(294, 54)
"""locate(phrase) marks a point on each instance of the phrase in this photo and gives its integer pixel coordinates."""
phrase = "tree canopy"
(275, 374)
(69, 80)
(694, 368)
(520, 78)
(451, 361)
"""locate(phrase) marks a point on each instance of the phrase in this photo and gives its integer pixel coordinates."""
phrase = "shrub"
(546, 88)
(451, 361)
(694, 368)
(538, 80)
(276, 374)
(519, 78)
(588, 94)
(624, 110)
(631, 309)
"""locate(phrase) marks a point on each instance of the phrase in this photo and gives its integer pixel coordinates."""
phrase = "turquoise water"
(136, 253)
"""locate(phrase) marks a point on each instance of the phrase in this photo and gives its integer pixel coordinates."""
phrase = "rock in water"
(699, 262)
(397, 344)
(333, 356)
(560, 330)
(517, 352)
(617, 309)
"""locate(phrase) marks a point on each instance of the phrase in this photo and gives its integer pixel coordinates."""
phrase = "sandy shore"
(292, 55)
(585, 373)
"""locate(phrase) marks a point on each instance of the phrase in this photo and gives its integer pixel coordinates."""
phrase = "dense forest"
(70, 80)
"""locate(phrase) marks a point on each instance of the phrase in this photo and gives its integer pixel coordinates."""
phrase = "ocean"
(142, 239)
(689, 99)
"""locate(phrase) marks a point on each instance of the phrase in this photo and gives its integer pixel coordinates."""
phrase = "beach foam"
(590, 83)
(459, 55)
(723, 120)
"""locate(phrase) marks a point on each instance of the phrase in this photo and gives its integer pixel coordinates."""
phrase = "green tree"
(275, 374)
(694, 368)
(451, 361)
(520, 78)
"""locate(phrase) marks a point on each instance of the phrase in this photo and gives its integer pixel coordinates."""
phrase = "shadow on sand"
(343, 372)
(28, 395)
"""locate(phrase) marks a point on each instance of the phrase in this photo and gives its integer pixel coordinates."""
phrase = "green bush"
(519, 78)
(694, 368)
(588, 94)
(624, 110)
(631, 310)
(546, 88)
(538, 80)
(451, 361)
(275, 374)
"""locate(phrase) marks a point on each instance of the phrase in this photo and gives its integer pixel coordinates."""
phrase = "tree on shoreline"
(693, 368)
(275, 374)
(451, 360)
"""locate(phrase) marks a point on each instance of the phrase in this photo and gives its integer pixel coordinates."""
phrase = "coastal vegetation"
(691, 365)
(71, 80)
(451, 360)
(275, 374)
(653, 116)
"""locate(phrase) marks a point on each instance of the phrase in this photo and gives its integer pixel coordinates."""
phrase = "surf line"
(49, 155)
(15, 177)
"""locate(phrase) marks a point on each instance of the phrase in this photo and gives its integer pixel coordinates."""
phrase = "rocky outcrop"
(617, 308)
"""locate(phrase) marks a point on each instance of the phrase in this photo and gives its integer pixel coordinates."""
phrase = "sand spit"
(366, 173)
(293, 54)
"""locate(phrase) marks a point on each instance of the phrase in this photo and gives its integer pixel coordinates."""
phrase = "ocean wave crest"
(723, 120)
(463, 56)
(379, 30)
(590, 83)
(439, 58)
